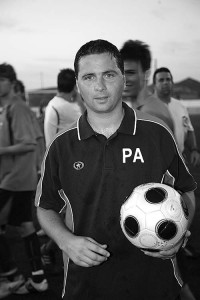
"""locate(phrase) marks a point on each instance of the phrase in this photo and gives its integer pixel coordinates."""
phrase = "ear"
(147, 74)
(77, 86)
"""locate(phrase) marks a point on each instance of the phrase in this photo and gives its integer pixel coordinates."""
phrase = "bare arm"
(17, 149)
(83, 251)
(191, 144)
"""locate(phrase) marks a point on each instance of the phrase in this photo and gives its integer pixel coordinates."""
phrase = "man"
(137, 63)
(182, 126)
(90, 170)
(18, 181)
(62, 111)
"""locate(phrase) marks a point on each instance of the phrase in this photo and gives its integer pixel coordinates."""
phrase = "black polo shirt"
(92, 176)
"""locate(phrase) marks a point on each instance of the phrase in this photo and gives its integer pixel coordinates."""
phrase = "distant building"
(187, 89)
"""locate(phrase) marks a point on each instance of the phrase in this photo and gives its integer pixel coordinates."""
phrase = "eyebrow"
(87, 74)
(105, 72)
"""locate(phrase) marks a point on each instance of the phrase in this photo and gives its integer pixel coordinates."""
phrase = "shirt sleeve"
(49, 186)
(22, 126)
(187, 122)
(50, 124)
(183, 180)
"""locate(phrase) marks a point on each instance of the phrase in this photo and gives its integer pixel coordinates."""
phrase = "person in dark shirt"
(88, 172)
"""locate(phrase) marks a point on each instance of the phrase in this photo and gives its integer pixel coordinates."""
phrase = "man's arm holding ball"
(189, 199)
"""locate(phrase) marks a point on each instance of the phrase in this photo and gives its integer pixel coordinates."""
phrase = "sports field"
(55, 281)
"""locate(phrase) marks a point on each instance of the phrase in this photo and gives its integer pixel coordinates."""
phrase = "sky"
(41, 37)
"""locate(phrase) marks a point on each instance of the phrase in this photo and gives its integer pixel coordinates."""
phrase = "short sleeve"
(49, 187)
(177, 168)
(22, 125)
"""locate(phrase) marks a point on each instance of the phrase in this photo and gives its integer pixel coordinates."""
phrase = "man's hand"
(168, 254)
(85, 251)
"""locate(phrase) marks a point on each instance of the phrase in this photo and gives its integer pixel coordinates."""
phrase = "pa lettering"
(134, 155)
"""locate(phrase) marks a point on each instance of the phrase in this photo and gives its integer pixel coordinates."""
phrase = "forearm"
(83, 251)
(191, 141)
(189, 199)
(54, 226)
(17, 149)
(50, 130)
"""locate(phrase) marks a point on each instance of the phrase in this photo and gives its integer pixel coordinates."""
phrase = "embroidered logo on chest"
(78, 165)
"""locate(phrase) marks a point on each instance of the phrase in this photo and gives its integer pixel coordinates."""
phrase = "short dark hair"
(137, 51)
(159, 70)
(7, 71)
(98, 47)
(66, 80)
(19, 86)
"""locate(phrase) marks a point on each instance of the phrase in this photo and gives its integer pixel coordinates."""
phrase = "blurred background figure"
(63, 110)
(182, 126)
(18, 181)
(137, 63)
(20, 92)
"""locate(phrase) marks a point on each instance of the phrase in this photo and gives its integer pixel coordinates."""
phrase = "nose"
(100, 84)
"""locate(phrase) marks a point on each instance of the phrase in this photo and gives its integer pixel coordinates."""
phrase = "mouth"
(166, 89)
(102, 98)
(129, 86)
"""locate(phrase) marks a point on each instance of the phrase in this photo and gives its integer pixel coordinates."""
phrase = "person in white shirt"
(63, 110)
(182, 126)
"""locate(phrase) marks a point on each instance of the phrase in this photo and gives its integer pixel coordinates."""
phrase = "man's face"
(5, 86)
(163, 84)
(135, 78)
(100, 82)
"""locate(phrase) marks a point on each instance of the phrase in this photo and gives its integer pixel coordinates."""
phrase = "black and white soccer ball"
(154, 217)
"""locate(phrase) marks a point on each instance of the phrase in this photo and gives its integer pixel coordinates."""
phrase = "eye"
(130, 73)
(88, 77)
(109, 75)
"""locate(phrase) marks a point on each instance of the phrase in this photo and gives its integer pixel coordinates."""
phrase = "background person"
(20, 92)
(137, 63)
(62, 111)
(18, 181)
(87, 173)
(182, 126)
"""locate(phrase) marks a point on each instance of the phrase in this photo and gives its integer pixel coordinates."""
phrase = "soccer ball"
(154, 217)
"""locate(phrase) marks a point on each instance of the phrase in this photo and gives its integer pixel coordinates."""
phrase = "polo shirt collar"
(128, 125)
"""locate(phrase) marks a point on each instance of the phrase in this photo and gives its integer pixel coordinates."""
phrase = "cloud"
(7, 24)
(180, 48)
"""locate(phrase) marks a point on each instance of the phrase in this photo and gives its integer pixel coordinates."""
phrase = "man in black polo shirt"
(90, 170)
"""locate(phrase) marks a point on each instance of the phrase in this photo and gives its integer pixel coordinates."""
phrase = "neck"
(66, 96)
(105, 123)
(165, 99)
(142, 96)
